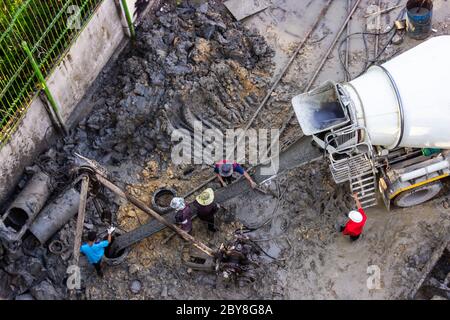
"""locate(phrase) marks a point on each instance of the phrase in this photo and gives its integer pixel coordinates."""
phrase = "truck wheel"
(418, 195)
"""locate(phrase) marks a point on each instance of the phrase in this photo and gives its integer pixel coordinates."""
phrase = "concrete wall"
(70, 80)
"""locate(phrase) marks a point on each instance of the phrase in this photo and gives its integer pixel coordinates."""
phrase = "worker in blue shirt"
(94, 250)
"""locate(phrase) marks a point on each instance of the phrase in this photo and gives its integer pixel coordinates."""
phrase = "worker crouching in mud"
(95, 250)
(183, 216)
(206, 208)
(355, 225)
(224, 171)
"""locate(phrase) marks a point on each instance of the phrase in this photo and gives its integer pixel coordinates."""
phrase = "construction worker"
(95, 250)
(205, 207)
(183, 216)
(224, 170)
(233, 260)
(355, 225)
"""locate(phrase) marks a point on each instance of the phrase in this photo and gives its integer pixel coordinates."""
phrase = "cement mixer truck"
(387, 132)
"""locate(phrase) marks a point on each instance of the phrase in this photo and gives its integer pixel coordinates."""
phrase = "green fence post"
(44, 86)
(129, 20)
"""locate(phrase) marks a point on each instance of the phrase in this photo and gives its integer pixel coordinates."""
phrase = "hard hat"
(355, 216)
(206, 197)
(177, 203)
(226, 169)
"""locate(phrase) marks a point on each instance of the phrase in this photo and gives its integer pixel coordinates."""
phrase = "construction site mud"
(191, 61)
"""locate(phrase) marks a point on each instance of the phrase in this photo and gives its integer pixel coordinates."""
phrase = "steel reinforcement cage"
(48, 27)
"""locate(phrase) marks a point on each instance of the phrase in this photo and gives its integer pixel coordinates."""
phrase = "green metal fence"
(48, 27)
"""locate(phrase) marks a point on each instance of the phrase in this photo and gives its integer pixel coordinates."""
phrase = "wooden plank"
(242, 9)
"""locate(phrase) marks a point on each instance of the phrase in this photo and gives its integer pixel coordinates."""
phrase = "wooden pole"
(377, 37)
(80, 218)
(186, 236)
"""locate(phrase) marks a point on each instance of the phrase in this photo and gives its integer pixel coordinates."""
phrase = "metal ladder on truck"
(352, 161)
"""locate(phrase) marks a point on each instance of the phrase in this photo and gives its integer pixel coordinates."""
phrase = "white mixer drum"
(406, 101)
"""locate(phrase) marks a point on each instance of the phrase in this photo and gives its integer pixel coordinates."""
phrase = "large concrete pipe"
(25, 207)
(402, 103)
(55, 215)
(405, 102)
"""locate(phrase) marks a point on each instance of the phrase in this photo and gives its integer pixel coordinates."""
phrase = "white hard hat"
(177, 203)
(355, 216)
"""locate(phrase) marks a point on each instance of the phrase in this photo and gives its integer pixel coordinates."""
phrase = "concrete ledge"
(86, 58)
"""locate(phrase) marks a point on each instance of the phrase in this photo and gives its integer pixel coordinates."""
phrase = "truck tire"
(418, 195)
(170, 193)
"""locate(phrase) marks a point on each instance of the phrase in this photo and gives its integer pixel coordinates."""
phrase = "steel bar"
(347, 45)
(322, 62)
(129, 19)
(44, 86)
(55, 215)
(296, 155)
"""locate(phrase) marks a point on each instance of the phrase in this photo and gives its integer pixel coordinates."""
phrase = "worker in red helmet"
(356, 222)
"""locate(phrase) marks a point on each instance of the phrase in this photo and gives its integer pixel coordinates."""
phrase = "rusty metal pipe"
(186, 236)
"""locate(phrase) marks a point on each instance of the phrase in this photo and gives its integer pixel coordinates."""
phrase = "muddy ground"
(194, 62)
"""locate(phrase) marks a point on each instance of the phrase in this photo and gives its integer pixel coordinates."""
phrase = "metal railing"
(47, 28)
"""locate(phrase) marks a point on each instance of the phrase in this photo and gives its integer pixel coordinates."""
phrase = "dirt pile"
(186, 64)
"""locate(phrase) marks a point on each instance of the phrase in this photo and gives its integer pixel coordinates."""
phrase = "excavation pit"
(161, 199)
